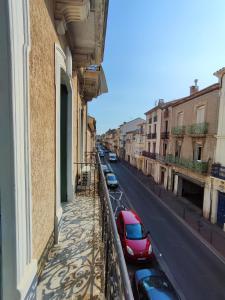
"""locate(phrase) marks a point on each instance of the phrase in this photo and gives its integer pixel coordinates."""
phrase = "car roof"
(130, 217)
(111, 174)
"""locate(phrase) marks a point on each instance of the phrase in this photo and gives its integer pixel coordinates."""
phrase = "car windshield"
(111, 177)
(135, 232)
(157, 282)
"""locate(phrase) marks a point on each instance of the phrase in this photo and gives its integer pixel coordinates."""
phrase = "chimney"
(194, 88)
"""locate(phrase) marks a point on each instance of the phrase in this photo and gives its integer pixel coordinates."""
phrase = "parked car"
(111, 180)
(153, 284)
(112, 157)
(135, 241)
(101, 153)
(106, 169)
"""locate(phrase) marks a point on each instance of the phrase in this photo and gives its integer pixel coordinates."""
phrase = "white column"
(206, 201)
(175, 190)
(214, 206)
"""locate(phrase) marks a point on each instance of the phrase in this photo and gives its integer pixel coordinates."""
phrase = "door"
(63, 142)
(221, 209)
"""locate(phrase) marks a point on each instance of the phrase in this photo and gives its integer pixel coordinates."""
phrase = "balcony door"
(200, 116)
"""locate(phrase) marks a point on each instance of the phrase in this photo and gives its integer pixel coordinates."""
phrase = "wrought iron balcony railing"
(151, 136)
(218, 171)
(165, 135)
(178, 130)
(149, 154)
(198, 129)
(197, 166)
(117, 282)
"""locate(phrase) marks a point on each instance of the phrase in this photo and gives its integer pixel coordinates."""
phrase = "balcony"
(196, 166)
(218, 171)
(88, 263)
(151, 136)
(178, 130)
(149, 154)
(198, 129)
(165, 135)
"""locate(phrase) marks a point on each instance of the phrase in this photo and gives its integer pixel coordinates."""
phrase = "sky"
(154, 50)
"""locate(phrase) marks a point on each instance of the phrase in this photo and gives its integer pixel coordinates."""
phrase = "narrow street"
(198, 273)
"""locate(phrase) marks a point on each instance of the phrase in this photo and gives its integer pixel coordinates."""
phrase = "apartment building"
(152, 141)
(180, 144)
(123, 130)
(51, 67)
(91, 135)
(134, 146)
(217, 207)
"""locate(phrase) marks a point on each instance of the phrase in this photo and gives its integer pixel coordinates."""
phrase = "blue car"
(153, 284)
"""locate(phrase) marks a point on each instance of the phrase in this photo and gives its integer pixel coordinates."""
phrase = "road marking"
(198, 236)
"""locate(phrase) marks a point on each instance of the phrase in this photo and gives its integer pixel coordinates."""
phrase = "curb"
(196, 234)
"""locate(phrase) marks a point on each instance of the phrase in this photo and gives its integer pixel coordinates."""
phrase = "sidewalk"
(74, 266)
(186, 210)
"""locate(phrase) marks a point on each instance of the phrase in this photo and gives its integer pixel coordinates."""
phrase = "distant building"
(124, 128)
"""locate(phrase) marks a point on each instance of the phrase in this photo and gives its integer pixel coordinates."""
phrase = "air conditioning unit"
(86, 176)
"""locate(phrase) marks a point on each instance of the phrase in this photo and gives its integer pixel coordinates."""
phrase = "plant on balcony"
(197, 166)
(198, 128)
(178, 130)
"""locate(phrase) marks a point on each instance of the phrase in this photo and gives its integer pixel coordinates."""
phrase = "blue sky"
(155, 49)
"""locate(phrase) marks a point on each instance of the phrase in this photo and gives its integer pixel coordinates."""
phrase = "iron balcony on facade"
(196, 166)
(149, 154)
(178, 130)
(218, 171)
(151, 136)
(165, 135)
(161, 158)
(198, 129)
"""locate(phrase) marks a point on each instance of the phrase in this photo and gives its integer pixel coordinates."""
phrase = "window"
(149, 147)
(178, 149)
(180, 117)
(166, 126)
(198, 152)
(164, 149)
(200, 114)
(154, 147)
(135, 232)
(154, 128)
(149, 130)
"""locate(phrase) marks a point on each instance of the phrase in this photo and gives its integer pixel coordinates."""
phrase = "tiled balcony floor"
(74, 269)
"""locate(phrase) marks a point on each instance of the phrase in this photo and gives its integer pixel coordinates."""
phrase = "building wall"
(42, 122)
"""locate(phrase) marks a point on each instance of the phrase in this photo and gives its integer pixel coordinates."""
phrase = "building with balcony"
(180, 145)
(217, 198)
(51, 53)
(192, 145)
(134, 146)
(123, 129)
(91, 136)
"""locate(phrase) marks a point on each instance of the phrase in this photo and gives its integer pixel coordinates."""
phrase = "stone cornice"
(72, 10)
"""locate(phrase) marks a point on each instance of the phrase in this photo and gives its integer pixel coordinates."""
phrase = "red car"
(134, 239)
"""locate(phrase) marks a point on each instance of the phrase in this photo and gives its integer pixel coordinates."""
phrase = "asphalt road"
(197, 272)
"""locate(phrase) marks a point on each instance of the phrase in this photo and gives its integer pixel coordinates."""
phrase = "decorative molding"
(63, 74)
(72, 10)
(16, 205)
